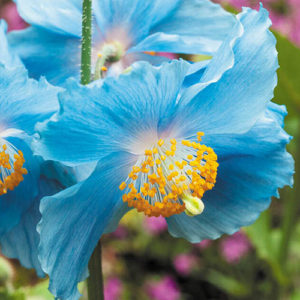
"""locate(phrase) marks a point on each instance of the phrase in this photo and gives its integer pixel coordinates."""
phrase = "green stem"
(95, 280)
(291, 210)
(86, 45)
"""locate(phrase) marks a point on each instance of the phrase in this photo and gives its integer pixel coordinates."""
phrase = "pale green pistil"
(193, 205)
(110, 53)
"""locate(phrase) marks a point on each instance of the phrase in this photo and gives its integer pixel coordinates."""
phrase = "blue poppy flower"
(209, 157)
(124, 30)
(23, 102)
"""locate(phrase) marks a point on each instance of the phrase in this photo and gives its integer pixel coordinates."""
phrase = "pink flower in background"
(166, 289)
(10, 14)
(113, 289)
(184, 263)
(234, 247)
(120, 233)
(204, 244)
(155, 225)
(285, 14)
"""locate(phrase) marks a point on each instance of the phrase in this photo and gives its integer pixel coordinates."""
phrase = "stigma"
(11, 168)
(171, 177)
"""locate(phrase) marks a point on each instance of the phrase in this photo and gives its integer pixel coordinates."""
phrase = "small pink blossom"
(285, 15)
(184, 263)
(165, 289)
(203, 244)
(10, 14)
(113, 289)
(235, 247)
(155, 225)
(120, 233)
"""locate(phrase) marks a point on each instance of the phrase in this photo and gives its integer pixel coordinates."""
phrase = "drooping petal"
(44, 53)
(23, 101)
(7, 57)
(74, 220)
(15, 203)
(113, 117)
(252, 166)
(234, 101)
(132, 17)
(194, 27)
(22, 241)
(55, 15)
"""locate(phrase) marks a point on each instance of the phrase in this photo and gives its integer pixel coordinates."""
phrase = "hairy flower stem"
(86, 45)
(95, 280)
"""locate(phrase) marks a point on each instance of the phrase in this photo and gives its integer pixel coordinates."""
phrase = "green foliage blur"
(263, 265)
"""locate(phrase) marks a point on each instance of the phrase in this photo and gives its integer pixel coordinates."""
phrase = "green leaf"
(227, 284)
(288, 89)
(266, 242)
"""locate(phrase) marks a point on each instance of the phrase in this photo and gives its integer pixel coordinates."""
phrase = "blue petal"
(74, 220)
(44, 53)
(22, 241)
(55, 15)
(116, 117)
(7, 57)
(252, 166)
(23, 101)
(195, 26)
(15, 203)
(134, 17)
(234, 101)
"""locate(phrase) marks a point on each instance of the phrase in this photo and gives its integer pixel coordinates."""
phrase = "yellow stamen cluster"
(164, 182)
(15, 172)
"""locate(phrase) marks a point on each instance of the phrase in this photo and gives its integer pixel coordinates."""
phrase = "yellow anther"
(103, 68)
(12, 172)
(172, 185)
(99, 54)
(152, 53)
(148, 152)
(136, 169)
(160, 142)
(199, 136)
(122, 186)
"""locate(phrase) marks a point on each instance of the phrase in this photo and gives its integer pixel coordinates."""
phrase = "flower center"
(171, 178)
(109, 53)
(11, 168)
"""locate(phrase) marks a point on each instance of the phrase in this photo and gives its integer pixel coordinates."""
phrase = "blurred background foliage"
(142, 261)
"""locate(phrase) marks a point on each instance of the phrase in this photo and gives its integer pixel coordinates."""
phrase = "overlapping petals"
(113, 124)
(50, 46)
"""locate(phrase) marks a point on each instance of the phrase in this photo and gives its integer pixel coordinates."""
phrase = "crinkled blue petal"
(113, 117)
(15, 203)
(22, 241)
(252, 166)
(24, 101)
(195, 26)
(7, 57)
(55, 15)
(74, 220)
(235, 101)
(132, 17)
(44, 53)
